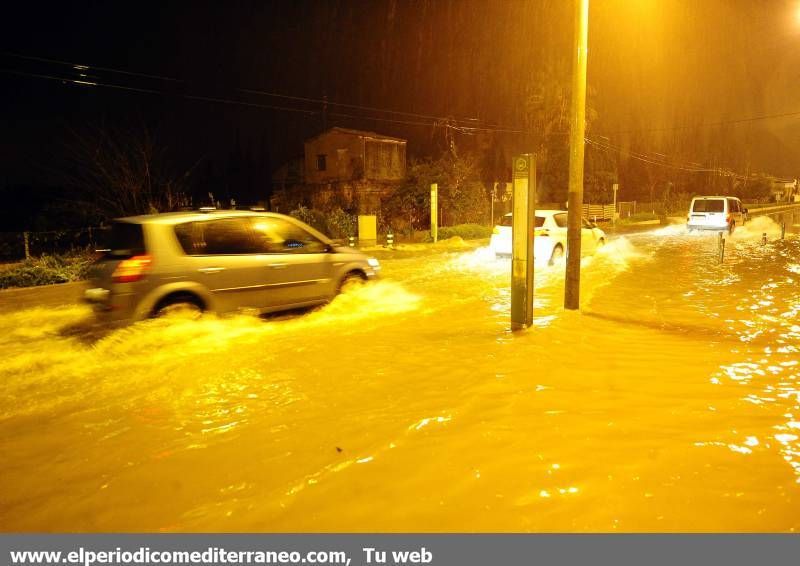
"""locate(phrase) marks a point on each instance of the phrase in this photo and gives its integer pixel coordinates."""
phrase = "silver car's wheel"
(179, 307)
(351, 281)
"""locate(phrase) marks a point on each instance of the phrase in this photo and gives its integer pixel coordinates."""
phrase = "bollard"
(352, 241)
(783, 230)
(390, 240)
(764, 239)
(26, 239)
(721, 248)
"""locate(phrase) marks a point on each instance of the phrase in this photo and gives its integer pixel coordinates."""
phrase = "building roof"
(359, 133)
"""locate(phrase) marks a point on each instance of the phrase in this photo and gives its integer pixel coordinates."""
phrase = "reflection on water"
(670, 403)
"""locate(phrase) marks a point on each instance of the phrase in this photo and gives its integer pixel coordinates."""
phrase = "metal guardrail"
(773, 209)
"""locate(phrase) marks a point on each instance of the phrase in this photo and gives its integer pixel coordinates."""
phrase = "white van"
(715, 213)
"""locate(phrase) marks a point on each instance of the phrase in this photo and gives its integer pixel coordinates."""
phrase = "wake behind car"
(550, 236)
(218, 261)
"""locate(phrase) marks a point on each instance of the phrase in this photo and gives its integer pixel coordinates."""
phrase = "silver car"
(218, 261)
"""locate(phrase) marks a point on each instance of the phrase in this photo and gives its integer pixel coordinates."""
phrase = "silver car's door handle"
(278, 265)
(211, 269)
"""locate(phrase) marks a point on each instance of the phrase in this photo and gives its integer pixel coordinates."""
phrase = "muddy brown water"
(670, 403)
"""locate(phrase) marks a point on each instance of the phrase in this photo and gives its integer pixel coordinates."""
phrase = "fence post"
(26, 239)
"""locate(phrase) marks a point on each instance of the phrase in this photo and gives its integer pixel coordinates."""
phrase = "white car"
(715, 213)
(550, 236)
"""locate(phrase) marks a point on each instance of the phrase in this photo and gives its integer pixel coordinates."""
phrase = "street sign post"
(434, 212)
(523, 208)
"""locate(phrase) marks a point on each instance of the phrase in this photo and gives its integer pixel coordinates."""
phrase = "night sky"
(682, 78)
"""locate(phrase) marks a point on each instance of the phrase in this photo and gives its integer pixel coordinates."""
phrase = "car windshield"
(709, 205)
(506, 221)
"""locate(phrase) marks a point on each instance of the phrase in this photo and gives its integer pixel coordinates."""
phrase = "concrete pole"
(577, 132)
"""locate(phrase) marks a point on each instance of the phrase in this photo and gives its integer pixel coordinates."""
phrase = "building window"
(321, 162)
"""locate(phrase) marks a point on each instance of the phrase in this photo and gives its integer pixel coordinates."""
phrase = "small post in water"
(783, 230)
(721, 248)
(764, 239)
(390, 240)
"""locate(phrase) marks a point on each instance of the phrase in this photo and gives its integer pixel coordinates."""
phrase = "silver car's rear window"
(125, 240)
(709, 205)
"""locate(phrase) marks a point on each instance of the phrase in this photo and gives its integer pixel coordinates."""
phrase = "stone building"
(352, 169)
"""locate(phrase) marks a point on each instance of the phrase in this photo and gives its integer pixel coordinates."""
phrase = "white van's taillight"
(132, 269)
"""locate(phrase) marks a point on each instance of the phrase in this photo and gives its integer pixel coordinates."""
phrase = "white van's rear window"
(709, 205)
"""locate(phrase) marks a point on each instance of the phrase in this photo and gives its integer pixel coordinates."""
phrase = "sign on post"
(435, 212)
(523, 209)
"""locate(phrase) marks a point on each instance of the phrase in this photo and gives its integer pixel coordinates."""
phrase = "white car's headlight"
(373, 262)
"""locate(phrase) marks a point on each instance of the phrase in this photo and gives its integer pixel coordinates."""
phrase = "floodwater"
(670, 403)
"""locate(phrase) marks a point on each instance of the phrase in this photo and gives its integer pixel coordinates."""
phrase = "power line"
(153, 91)
(435, 121)
(467, 124)
(734, 121)
(463, 125)
(687, 167)
(82, 67)
(425, 120)
(607, 146)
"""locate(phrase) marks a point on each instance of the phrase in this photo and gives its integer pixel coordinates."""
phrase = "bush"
(48, 269)
(341, 224)
(314, 218)
(465, 231)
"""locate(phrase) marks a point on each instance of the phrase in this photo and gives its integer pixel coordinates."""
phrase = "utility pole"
(615, 187)
(577, 142)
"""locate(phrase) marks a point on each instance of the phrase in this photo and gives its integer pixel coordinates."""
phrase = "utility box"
(367, 230)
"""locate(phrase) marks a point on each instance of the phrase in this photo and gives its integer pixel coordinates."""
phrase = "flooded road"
(670, 403)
